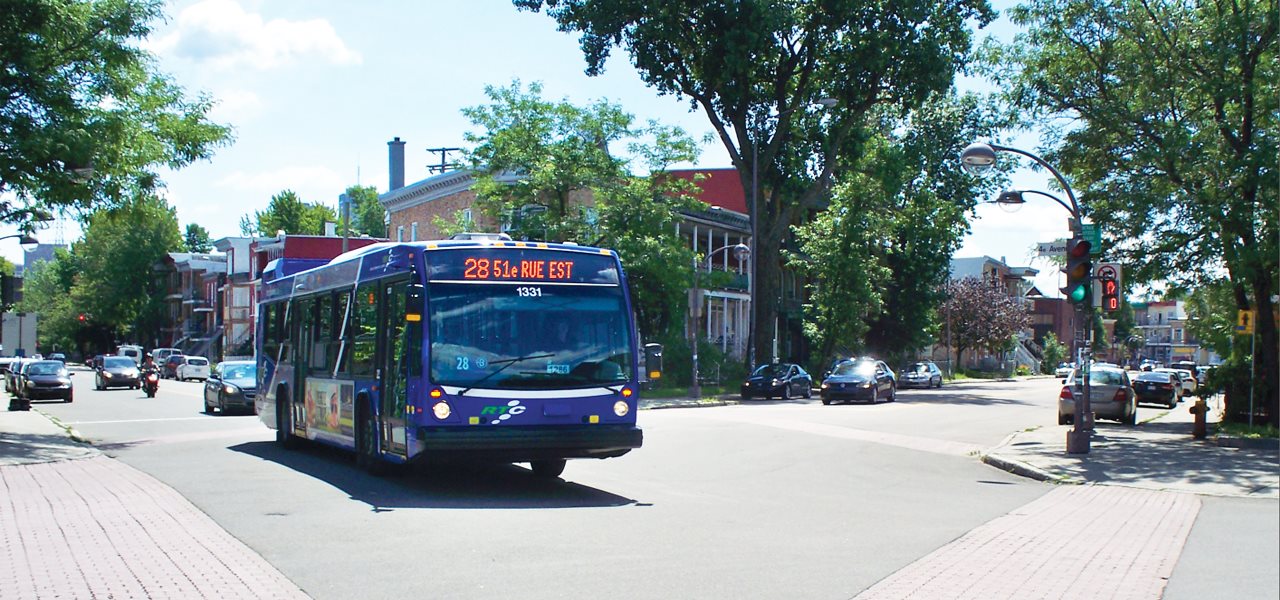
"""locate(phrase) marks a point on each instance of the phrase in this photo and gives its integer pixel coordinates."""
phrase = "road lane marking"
(909, 442)
(139, 421)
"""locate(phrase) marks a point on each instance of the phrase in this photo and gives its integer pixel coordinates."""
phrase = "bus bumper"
(515, 444)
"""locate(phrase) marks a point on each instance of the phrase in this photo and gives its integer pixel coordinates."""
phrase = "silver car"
(1110, 395)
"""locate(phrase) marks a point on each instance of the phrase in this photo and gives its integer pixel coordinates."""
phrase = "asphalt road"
(761, 500)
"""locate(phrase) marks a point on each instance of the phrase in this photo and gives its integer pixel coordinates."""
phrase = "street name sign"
(1054, 248)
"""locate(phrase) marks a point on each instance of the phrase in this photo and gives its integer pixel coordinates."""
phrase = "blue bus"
(473, 348)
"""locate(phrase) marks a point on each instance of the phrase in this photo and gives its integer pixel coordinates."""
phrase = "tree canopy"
(368, 216)
(757, 68)
(85, 118)
(1168, 115)
(196, 239)
(545, 169)
(288, 213)
(981, 315)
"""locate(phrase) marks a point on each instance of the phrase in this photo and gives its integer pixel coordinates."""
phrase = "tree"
(545, 169)
(1173, 109)
(1055, 352)
(196, 239)
(756, 68)
(85, 120)
(983, 316)
(109, 276)
(368, 216)
(288, 213)
(899, 216)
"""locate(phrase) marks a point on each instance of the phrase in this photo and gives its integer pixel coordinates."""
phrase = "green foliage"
(545, 168)
(1172, 110)
(756, 69)
(1212, 312)
(108, 276)
(79, 92)
(368, 216)
(288, 213)
(196, 239)
(1055, 352)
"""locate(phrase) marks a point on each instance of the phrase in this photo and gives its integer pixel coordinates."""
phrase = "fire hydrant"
(1199, 409)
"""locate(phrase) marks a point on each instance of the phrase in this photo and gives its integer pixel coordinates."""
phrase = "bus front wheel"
(549, 469)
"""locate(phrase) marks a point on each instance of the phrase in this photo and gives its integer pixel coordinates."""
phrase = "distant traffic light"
(81, 318)
(7, 291)
(1079, 272)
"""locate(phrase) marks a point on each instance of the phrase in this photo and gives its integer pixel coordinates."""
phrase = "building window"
(400, 233)
(413, 231)
(466, 218)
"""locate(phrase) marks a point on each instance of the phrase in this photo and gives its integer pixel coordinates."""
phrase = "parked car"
(863, 379)
(1185, 378)
(1157, 387)
(14, 376)
(781, 379)
(5, 363)
(1110, 395)
(923, 374)
(231, 384)
(1064, 370)
(160, 355)
(169, 368)
(192, 367)
(117, 371)
(58, 356)
(45, 380)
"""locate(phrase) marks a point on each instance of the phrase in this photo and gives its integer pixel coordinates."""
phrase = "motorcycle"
(150, 383)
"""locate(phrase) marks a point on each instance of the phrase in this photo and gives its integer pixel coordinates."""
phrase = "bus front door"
(394, 370)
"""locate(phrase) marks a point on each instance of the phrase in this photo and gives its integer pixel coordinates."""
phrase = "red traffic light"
(1078, 248)
(81, 317)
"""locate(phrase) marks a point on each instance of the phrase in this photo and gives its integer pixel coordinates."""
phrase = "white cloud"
(235, 106)
(221, 33)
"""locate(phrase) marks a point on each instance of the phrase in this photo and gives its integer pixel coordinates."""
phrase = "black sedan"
(861, 380)
(117, 371)
(231, 384)
(784, 380)
(1156, 387)
(45, 380)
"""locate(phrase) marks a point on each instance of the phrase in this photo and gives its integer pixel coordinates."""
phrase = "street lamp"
(741, 252)
(26, 240)
(822, 103)
(978, 158)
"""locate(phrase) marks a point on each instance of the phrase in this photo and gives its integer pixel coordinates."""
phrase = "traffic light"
(1110, 295)
(82, 318)
(1079, 272)
(7, 291)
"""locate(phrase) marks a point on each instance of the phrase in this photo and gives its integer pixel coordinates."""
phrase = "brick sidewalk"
(1074, 542)
(97, 528)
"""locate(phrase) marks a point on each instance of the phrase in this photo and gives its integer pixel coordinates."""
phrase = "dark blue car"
(859, 380)
(784, 380)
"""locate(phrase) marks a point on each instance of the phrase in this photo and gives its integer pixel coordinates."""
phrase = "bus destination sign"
(521, 265)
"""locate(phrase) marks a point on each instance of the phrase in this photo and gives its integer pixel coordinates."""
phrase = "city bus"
(470, 348)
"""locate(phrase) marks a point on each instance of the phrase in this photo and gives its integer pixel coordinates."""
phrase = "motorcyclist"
(149, 365)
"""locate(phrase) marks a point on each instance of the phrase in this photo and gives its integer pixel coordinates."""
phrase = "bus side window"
(363, 332)
(339, 335)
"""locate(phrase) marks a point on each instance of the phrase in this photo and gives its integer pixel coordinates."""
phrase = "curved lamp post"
(26, 240)
(978, 158)
(741, 252)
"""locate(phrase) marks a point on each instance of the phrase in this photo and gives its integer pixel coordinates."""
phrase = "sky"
(314, 89)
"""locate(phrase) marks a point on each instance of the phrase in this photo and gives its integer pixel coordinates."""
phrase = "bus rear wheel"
(549, 469)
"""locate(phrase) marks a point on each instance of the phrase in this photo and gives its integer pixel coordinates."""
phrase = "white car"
(192, 367)
(1063, 370)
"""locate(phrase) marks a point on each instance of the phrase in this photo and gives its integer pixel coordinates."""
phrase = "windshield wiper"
(507, 363)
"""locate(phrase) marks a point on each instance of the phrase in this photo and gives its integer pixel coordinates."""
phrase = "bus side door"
(393, 364)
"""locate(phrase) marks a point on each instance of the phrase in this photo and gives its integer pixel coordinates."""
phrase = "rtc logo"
(502, 413)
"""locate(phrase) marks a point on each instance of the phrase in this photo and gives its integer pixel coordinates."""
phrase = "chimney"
(395, 163)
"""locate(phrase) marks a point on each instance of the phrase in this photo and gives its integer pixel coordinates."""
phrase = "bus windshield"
(528, 335)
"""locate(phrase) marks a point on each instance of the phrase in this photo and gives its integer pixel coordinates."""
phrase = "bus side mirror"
(653, 361)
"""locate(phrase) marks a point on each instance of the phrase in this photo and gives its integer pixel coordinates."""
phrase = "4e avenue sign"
(1106, 293)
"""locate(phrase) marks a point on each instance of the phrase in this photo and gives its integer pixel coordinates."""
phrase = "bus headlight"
(621, 408)
(441, 410)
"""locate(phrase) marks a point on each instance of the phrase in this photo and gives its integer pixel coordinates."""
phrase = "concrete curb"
(1230, 441)
(72, 432)
(1022, 469)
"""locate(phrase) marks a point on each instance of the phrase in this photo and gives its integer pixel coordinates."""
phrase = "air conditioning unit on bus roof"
(470, 235)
